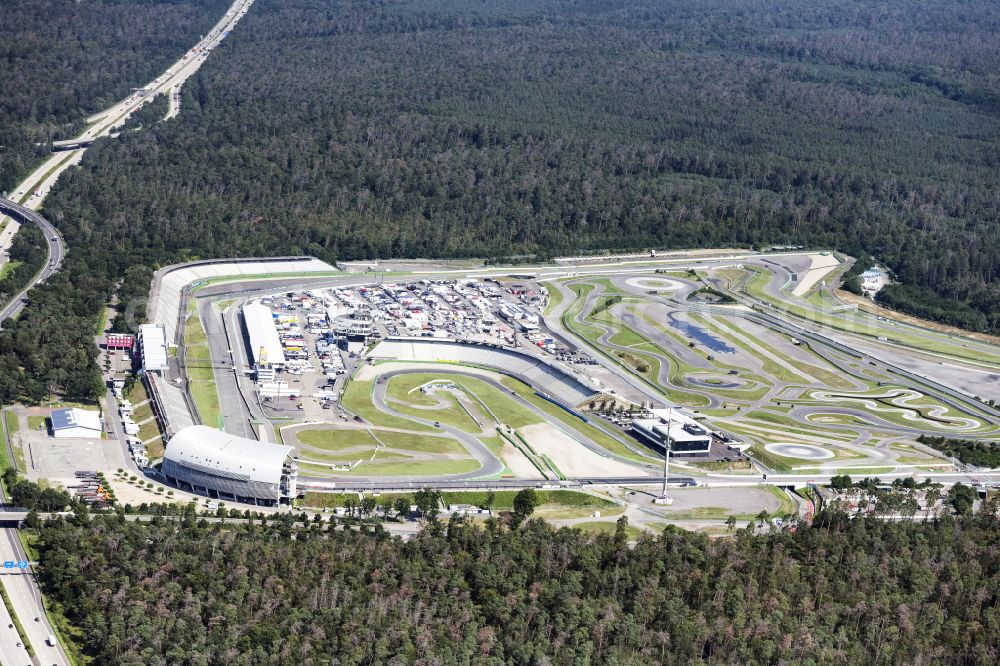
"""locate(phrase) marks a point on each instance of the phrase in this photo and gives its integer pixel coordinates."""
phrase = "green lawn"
(406, 441)
(500, 404)
(769, 460)
(276, 276)
(706, 513)
(336, 440)
(645, 365)
(453, 415)
(138, 393)
(555, 297)
(332, 440)
(194, 333)
(142, 413)
(891, 412)
(868, 471)
(198, 365)
(155, 450)
(9, 267)
(927, 341)
(36, 422)
(416, 468)
(206, 400)
(590, 333)
(102, 323)
(787, 504)
(607, 527)
(5, 462)
(405, 387)
(491, 399)
(794, 426)
(148, 431)
(496, 446)
(357, 399)
(625, 336)
(13, 424)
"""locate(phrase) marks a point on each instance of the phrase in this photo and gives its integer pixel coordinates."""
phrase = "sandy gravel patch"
(654, 284)
(518, 463)
(571, 457)
(820, 266)
(801, 451)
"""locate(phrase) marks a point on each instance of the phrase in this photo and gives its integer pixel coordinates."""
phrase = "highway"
(56, 253)
(21, 207)
(12, 650)
(31, 192)
(27, 601)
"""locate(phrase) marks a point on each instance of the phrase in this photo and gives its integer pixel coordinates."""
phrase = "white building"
(153, 347)
(265, 345)
(214, 463)
(687, 436)
(354, 324)
(76, 423)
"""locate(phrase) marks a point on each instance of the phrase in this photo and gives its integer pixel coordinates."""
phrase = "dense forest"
(27, 255)
(852, 591)
(61, 60)
(454, 128)
(446, 128)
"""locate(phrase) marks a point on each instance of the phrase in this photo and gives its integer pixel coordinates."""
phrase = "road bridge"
(73, 144)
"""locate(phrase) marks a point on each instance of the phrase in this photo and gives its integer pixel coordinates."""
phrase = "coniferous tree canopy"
(359, 129)
(416, 128)
(63, 60)
(855, 592)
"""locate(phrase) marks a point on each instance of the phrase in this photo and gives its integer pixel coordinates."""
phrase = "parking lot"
(58, 460)
(324, 332)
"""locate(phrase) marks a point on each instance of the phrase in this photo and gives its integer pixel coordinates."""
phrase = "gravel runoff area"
(571, 457)
(801, 451)
(655, 284)
(819, 266)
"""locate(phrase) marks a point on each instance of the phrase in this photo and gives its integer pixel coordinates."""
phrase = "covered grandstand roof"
(260, 329)
(221, 454)
(170, 282)
(153, 343)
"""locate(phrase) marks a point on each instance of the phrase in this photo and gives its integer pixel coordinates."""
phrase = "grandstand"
(214, 463)
(545, 378)
(169, 283)
(169, 404)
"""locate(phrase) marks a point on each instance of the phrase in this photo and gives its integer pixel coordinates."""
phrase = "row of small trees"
(900, 497)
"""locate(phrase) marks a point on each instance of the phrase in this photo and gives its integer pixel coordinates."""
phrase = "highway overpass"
(73, 144)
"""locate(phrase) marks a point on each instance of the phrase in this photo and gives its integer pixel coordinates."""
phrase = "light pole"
(664, 498)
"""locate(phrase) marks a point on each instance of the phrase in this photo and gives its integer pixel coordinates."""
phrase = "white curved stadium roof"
(222, 454)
